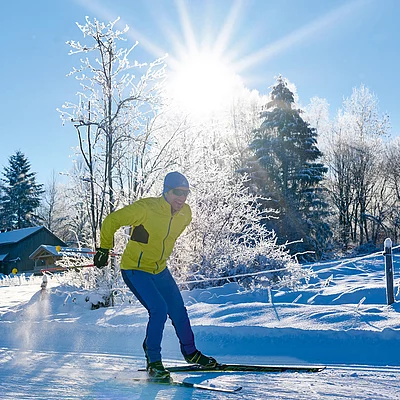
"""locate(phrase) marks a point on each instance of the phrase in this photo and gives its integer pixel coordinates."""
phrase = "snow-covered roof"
(18, 234)
(3, 257)
(57, 251)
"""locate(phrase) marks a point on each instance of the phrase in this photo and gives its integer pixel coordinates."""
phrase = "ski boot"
(157, 372)
(200, 359)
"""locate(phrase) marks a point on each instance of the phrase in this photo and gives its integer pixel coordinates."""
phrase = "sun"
(202, 83)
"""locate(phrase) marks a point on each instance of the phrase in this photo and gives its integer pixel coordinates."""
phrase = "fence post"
(43, 292)
(389, 271)
(44, 282)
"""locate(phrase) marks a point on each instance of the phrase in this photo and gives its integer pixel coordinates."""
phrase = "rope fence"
(310, 270)
(339, 263)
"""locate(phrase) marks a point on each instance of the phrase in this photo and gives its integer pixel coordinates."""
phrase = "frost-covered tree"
(55, 210)
(288, 169)
(78, 198)
(19, 194)
(354, 158)
(112, 119)
(389, 217)
(243, 115)
(226, 236)
(317, 115)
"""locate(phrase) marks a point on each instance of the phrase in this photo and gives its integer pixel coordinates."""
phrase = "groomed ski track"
(56, 375)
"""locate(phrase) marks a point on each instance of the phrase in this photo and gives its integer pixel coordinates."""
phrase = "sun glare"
(201, 83)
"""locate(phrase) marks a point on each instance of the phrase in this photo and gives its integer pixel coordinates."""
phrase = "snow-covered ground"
(53, 346)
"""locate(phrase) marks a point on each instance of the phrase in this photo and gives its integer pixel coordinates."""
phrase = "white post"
(44, 282)
(43, 292)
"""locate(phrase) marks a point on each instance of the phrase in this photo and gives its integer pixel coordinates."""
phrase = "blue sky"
(325, 47)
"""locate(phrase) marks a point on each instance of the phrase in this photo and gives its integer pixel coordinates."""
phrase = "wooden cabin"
(17, 245)
(45, 257)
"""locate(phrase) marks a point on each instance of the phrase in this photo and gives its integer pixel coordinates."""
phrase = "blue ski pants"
(160, 295)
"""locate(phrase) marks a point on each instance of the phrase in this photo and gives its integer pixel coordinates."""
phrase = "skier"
(156, 223)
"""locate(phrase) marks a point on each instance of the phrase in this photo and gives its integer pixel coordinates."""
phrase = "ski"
(175, 382)
(247, 368)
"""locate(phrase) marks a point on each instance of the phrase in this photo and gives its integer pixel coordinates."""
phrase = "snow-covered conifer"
(288, 169)
(19, 194)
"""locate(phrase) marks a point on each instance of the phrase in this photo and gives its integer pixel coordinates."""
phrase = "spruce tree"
(19, 194)
(288, 172)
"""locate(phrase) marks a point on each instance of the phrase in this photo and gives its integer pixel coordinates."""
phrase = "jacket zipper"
(163, 243)
(140, 258)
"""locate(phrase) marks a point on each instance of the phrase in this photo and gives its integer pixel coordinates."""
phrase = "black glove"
(101, 257)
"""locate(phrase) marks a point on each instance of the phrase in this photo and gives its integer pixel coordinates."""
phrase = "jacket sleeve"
(131, 215)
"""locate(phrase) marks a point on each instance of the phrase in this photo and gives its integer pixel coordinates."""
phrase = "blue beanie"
(174, 180)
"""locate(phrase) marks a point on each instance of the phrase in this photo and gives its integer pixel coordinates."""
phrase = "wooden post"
(389, 271)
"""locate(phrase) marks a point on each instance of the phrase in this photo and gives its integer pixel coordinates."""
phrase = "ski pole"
(66, 250)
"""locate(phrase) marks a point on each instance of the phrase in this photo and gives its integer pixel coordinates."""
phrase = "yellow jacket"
(154, 231)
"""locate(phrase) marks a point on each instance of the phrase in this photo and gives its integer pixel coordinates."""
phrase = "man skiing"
(156, 223)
